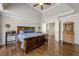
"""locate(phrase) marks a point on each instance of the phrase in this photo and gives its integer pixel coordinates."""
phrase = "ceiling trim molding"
(33, 8)
(57, 4)
(74, 14)
(12, 15)
(50, 7)
(44, 10)
(57, 16)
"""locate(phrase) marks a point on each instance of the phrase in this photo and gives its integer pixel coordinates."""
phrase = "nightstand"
(10, 37)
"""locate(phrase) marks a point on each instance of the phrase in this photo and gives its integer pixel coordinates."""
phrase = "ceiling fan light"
(40, 3)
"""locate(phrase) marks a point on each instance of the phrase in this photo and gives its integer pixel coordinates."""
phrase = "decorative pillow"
(27, 31)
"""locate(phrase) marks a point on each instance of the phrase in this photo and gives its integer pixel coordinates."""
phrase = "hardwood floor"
(53, 48)
(15, 51)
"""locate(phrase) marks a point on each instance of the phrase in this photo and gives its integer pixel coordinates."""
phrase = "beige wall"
(19, 15)
(16, 22)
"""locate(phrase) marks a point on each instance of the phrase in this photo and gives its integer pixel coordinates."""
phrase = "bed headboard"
(19, 28)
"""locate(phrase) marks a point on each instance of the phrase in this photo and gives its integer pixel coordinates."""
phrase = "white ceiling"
(74, 6)
(39, 8)
(53, 9)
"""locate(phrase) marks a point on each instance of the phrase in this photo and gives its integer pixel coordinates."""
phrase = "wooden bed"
(31, 43)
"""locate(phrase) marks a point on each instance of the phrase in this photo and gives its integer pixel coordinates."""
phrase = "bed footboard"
(34, 42)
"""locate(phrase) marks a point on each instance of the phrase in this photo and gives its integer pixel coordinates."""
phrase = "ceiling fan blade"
(35, 5)
(47, 3)
(41, 7)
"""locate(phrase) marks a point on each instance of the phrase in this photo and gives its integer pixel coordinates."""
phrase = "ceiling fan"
(41, 5)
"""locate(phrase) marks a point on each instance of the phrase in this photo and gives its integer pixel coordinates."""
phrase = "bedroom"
(25, 15)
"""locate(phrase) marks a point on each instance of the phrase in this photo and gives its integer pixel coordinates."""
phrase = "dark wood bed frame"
(31, 43)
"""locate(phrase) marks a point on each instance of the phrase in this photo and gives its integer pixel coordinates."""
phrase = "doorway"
(53, 45)
(50, 29)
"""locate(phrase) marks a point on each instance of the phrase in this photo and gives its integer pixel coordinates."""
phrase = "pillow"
(21, 32)
(27, 31)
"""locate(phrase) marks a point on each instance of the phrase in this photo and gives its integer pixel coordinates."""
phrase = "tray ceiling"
(39, 8)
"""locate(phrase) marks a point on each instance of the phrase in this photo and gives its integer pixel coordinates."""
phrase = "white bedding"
(27, 35)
